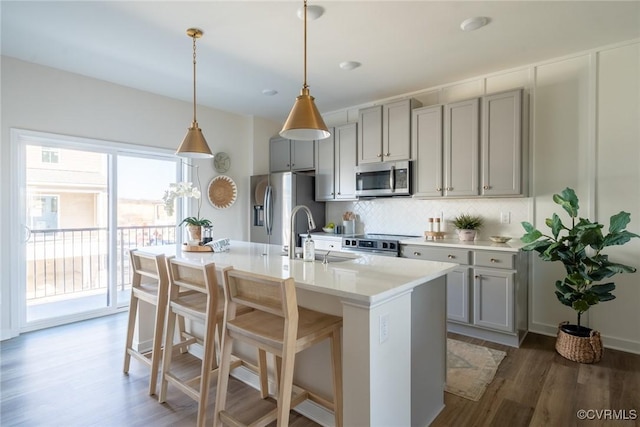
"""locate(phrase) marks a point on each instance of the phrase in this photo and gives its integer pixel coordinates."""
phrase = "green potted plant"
(467, 226)
(579, 247)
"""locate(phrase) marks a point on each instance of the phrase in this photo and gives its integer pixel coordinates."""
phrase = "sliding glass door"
(85, 205)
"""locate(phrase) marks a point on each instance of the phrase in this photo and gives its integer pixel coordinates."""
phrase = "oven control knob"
(392, 245)
(385, 245)
(353, 243)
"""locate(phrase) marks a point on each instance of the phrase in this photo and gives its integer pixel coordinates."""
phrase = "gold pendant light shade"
(194, 145)
(305, 122)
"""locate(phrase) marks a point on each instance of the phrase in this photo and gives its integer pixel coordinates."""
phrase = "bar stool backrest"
(274, 296)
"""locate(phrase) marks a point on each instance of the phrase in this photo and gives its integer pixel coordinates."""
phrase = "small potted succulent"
(467, 226)
(579, 247)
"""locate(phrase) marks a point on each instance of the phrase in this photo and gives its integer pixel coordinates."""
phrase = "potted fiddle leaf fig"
(579, 247)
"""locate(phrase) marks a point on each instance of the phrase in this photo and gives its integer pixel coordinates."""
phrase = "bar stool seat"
(277, 326)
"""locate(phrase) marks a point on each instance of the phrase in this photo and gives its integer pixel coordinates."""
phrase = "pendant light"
(194, 145)
(305, 122)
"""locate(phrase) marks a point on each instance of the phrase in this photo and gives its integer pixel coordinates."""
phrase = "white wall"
(49, 100)
(584, 134)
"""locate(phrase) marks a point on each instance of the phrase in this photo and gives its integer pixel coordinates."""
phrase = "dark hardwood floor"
(72, 376)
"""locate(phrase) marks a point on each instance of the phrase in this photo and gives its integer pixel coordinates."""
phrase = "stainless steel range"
(378, 244)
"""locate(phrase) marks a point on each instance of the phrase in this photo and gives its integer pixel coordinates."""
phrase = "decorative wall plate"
(222, 192)
(221, 162)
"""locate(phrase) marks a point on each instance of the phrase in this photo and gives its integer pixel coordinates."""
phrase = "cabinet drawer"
(460, 256)
(494, 259)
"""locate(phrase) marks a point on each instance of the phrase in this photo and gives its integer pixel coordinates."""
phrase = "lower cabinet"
(486, 294)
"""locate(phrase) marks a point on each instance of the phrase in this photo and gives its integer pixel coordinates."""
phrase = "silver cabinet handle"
(379, 155)
(493, 260)
(388, 154)
(417, 253)
(451, 256)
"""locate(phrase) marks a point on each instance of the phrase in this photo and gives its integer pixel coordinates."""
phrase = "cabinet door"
(502, 144)
(426, 150)
(302, 155)
(345, 161)
(325, 168)
(461, 149)
(370, 135)
(396, 130)
(458, 295)
(279, 155)
(493, 299)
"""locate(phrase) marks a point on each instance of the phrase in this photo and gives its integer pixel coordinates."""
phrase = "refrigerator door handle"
(268, 210)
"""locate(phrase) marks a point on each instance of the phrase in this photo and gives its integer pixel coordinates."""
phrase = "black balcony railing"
(73, 260)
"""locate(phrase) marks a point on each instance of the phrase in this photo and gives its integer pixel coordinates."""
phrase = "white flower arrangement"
(179, 189)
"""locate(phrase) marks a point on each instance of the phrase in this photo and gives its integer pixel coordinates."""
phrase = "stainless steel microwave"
(383, 179)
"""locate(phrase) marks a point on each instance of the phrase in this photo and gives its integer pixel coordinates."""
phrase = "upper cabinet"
(385, 132)
(336, 160)
(461, 134)
(290, 155)
(471, 148)
(502, 144)
(426, 148)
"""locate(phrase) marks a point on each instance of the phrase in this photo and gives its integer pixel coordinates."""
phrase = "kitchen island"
(394, 327)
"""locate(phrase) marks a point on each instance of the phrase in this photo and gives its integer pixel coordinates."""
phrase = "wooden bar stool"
(193, 294)
(278, 326)
(149, 283)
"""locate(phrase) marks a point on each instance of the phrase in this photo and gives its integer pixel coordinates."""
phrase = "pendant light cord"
(194, 78)
(305, 45)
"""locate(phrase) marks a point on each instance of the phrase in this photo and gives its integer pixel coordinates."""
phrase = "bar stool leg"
(131, 324)
(156, 356)
(336, 367)
(264, 379)
(167, 354)
(223, 378)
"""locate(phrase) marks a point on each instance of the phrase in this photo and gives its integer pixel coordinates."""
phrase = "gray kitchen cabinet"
(461, 149)
(458, 295)
(385, 132)
(471, 150)
(345, 161)
(291, 155)
(336, 160)
(486, 293)
(325, 170)
(502, 144)
(493, 299)
(426, 150)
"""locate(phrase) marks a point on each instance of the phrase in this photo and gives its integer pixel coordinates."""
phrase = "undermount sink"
(331, 258)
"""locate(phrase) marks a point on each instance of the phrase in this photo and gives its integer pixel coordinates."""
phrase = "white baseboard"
(608, 342)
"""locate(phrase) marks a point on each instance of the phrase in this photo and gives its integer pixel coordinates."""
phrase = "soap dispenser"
(308, 249)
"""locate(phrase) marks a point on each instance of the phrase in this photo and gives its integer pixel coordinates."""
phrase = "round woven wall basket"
(579, 349)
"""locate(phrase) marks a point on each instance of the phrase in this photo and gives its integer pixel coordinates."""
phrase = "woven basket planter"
(579, 349)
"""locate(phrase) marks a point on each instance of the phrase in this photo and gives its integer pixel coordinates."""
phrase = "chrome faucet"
(292, 237)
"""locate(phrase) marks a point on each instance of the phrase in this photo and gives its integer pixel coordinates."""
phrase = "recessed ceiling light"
(472, 24)
(313, 12)
(349, 65)
(269, 92)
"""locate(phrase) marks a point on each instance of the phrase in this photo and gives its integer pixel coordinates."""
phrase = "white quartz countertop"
(363, 278)
(513, 245)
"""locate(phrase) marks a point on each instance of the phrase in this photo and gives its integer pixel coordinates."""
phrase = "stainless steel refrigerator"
(273, 197)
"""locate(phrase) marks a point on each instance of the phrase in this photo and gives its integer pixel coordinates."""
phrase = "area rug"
(470, 368)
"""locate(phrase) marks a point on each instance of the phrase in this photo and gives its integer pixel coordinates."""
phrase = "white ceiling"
(251, 46)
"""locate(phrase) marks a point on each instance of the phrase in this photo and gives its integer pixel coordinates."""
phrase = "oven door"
(383, 179)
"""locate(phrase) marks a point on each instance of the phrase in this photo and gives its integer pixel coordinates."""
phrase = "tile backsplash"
(409, 216)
